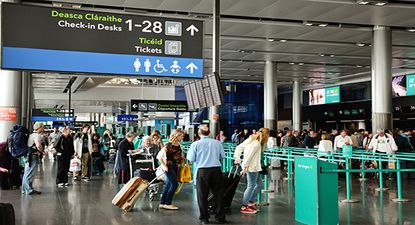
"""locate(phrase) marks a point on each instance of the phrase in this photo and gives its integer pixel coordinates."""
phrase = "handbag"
(75, 165)
(160, 173)
(185, 176)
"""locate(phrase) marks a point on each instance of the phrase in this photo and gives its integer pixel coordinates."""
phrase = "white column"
(381, 78)
(297, 99)
(270, 95)
(10, 96)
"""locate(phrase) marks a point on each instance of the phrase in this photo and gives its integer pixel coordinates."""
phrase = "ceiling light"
(283, 40)
(308, 23)
(359, 66)
(300, 64)
(291, 63)
(372, 2)
(323, 25)
(360, 44)
(332, 55)
(410, 29)
(322, 55)
(270, 39)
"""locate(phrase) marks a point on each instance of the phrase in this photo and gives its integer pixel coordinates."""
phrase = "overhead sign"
(158, 106)
(54, 115)
(124, 118)
(8, 114)
(57, 39)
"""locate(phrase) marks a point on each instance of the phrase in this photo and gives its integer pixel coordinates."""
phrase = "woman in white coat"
(252, 149)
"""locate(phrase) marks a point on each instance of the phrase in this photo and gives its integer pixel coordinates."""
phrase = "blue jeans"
(170, 186)
(28, 175)
(253, 188)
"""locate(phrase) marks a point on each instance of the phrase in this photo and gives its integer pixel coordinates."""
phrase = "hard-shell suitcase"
(128, 195)
(230, 182)
(7, 216)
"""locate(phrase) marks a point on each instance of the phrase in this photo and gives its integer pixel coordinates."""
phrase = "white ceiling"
(317, 55)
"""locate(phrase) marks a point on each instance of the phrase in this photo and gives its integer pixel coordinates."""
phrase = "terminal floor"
(89, 203)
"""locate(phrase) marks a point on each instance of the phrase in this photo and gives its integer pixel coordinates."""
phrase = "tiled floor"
(89, 203)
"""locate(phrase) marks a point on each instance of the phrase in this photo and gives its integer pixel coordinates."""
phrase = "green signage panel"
(332, 94)
(316, 193)
(410, 84)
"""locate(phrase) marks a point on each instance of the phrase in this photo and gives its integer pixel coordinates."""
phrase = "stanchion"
(348, 188)
(399, 184)
(381, 188)
(363, 178)
(265, 190)
(289, 166)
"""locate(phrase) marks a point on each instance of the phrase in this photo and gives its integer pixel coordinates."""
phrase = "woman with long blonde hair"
(251, 166)
(170, 157)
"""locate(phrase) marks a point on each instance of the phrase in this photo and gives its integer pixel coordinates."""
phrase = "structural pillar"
(127, 112)
(214, 110)
(297, 99)
(270, 95)
(381, 78)
(11, 98)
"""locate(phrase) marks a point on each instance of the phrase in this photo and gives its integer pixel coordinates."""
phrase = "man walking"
(36, 143)
(207, 154)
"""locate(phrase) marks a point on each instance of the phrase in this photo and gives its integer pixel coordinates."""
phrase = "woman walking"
(65, 151)
(170, 157)
(252, 149)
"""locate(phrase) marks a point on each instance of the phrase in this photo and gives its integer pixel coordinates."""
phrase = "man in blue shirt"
(207, 154)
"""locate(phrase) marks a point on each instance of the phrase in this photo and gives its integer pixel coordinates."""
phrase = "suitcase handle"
(236, 166)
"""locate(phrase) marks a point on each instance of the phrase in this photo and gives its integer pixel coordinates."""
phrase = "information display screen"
(58, 39)
(399, 86)
(324, 96)
(204, 93)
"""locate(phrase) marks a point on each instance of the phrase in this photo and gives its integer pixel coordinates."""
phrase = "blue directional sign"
(100, 42)
(124, 118)
(53, 118)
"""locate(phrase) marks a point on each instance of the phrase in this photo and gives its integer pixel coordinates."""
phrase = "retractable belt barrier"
(289, 154)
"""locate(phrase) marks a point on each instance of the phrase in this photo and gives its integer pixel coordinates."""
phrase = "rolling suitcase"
(128, 195)
(230, 182)
(7, 216)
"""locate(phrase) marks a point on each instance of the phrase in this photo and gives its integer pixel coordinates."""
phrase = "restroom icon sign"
(173, 28)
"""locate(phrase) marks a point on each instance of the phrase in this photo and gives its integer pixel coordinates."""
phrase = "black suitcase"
(7, 216)
(230, 182)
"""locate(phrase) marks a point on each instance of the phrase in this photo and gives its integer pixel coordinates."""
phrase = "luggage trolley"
(142, 164)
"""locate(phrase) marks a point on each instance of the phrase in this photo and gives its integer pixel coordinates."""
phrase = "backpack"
(17, 141)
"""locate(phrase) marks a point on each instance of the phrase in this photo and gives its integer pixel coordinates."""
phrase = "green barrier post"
(381, 188)
(399, 183)
(348, 181)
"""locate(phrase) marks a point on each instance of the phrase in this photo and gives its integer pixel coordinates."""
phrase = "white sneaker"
(61, 184)
(170, 207)
(66, 184)
(161, 206)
